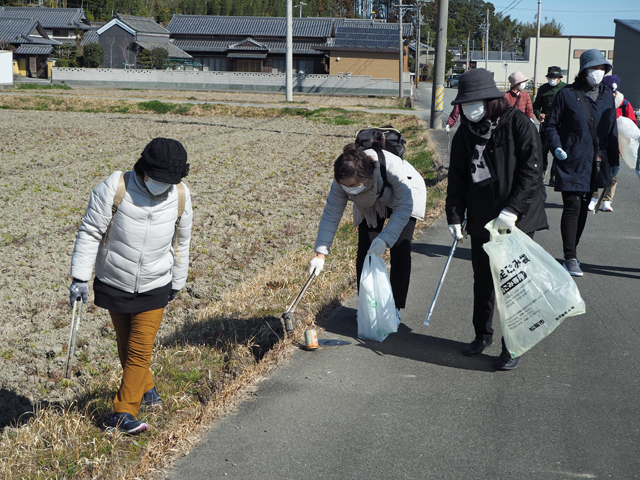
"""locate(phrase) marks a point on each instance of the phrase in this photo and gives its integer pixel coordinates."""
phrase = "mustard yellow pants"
(135, 333)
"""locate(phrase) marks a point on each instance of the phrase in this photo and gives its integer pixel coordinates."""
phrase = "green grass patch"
(163, 108)
(42, 86)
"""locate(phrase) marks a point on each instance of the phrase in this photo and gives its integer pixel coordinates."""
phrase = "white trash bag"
(534, 293)
(377, 316)
(628, 138)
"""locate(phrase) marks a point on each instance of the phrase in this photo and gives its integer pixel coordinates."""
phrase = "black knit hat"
(476, 84)
(164, 160)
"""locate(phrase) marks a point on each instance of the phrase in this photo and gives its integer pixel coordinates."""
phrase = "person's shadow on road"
(407, 344)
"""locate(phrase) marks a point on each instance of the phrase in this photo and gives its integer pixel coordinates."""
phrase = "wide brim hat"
(476, 84)
(164, 160)
(554, 72)
(593, 58)
(517, 77)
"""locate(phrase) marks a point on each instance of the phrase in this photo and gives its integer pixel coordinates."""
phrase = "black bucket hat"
(476, 84)
(554, 72)
(164, 160)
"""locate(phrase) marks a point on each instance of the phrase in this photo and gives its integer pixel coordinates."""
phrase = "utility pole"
(468, 40)
(300, 6)
(437, 99)
(417, 67)
(401, 48)
(486, 58)
(289, 60)
(535, 64)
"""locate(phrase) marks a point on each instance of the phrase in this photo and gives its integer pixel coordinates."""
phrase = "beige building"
(373, 64)
(561, 51)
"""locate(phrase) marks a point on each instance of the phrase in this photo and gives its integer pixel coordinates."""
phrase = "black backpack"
(383, 138)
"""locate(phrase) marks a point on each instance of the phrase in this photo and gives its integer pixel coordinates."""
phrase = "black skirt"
(116, 300)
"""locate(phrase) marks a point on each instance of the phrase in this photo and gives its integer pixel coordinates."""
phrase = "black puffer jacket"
(515, 153)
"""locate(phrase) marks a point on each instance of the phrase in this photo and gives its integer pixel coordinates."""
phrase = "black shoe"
(552, 182)
(476, 347)
(151, 400)
(126, 423)
(506, 362)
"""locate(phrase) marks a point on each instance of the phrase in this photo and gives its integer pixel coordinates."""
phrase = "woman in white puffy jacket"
(401, 199)
(140, 250)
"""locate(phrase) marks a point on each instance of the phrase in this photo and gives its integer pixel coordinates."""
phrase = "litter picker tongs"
(73, 335)
(444, 273)
(287, 316)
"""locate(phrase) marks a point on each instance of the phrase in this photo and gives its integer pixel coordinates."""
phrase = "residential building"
(125, 36)
(627, 66)
(30, 44)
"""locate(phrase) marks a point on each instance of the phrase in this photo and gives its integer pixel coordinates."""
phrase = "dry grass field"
(259, 179)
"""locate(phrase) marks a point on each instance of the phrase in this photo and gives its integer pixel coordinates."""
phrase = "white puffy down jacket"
(409, 200)
(139, 255)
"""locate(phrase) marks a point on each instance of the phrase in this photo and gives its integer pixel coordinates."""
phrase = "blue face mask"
(156, 188)
(353, 190)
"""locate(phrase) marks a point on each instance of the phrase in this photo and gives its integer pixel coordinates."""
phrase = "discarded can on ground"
(289, 322)
(311, 339)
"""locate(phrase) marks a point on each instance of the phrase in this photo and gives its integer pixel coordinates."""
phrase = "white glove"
(506, 220)
(78, 290)
(316, 264)
(378, 247)
(456, 231)
(447, 128)
(561, 154)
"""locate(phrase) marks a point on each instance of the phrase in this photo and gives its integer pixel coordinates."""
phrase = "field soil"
(258, 186)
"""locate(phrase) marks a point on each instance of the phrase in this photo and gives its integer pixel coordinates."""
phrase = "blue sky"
(579, 17)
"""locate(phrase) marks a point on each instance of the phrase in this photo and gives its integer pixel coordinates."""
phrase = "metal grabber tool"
(444, 273)
(287, 316)
(73, 335)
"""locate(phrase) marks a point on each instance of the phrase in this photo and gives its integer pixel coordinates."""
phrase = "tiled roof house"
(258, 44)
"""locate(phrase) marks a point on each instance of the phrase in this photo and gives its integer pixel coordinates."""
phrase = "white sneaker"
(592, 204)
(606, 207)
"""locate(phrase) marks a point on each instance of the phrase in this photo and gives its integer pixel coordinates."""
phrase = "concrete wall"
(627, 67)
(227, 81)
(6, 68)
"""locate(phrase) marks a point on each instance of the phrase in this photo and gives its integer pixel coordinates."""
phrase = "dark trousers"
(484, 295)
(400, 256)
(574, 218)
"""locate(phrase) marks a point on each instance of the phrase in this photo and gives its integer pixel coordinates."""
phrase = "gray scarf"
(370, 204)
(481, 170)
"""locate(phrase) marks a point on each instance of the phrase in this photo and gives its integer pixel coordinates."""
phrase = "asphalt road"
(413, 407)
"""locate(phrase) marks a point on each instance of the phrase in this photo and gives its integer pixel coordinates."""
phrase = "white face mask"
(595, 77)
(474, 111)
(554, 81)
(521, 86)
(353, 190)
(619, 99)
(156, 188)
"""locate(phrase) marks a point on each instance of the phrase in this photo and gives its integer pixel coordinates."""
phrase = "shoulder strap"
(624, 108)
(182, 199)
(117, 200)
(587, 112)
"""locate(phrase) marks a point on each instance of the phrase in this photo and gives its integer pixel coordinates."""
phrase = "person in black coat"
(569, 137)
(495, 172)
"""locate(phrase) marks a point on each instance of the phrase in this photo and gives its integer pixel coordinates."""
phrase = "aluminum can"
(311, 339)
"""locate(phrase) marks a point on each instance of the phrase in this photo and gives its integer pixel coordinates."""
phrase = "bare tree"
(125, 49)
(111, 42)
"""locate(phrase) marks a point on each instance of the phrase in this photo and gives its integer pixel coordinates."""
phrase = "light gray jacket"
(139, 255)
(409, 200)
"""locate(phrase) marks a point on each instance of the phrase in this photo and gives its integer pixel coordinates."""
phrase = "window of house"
(279, 65)
(249, 66)
(305, 67)
(219, 65)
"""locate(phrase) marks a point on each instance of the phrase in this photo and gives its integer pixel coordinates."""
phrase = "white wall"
(6, 67)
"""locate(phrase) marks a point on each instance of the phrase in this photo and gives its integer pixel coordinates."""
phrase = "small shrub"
(93, 55)
(157, 106)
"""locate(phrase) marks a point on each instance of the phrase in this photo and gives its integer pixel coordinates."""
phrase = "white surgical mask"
(474, 111)
(353, 190)
(156, 188)
(595, 77)
(619, 99)
(554, 81)
(521, 86)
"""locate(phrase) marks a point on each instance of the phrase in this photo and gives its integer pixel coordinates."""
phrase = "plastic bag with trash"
(534, 293)
(628, 141)
(377, 316)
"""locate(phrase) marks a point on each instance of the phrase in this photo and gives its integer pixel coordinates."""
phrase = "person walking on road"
(623, 109)
(137, 237)
(495, 173)
(569, 134)
(542, 108)
(517, 97)
(401, 198)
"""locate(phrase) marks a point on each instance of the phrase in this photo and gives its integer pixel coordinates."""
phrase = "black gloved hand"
(77, 290)
(173, 294)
